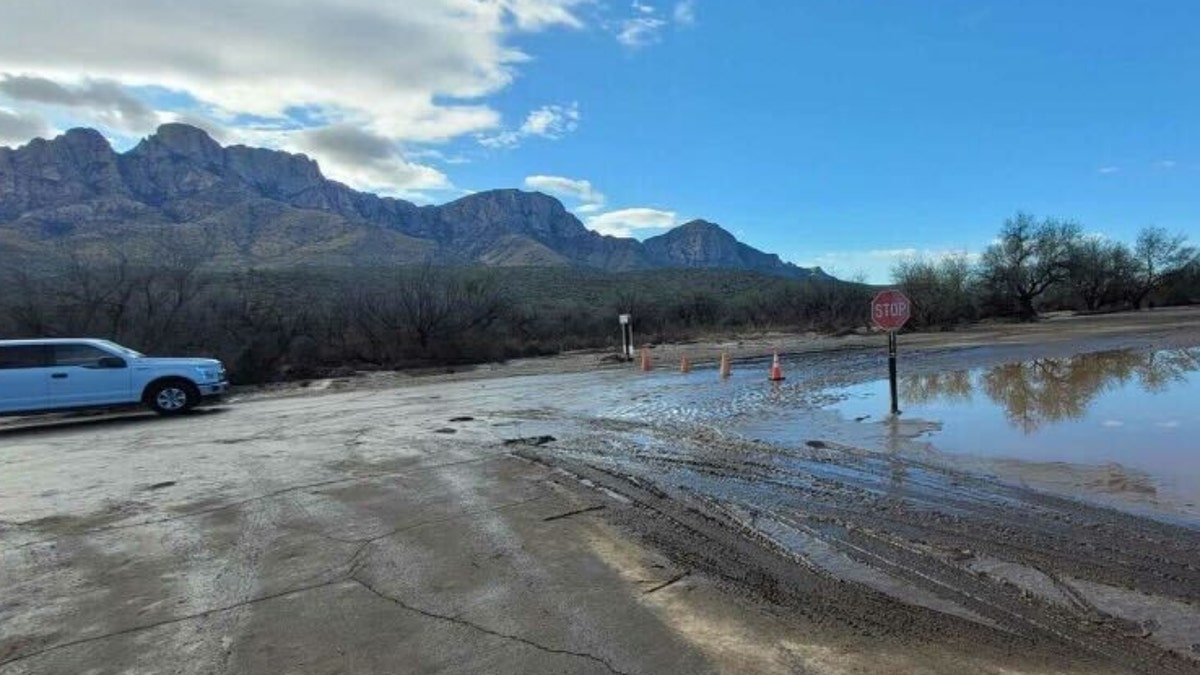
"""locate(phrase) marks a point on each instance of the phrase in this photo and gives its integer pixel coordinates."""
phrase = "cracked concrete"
(487, 631)
(282, 515)
(338, 532)
(158, 624)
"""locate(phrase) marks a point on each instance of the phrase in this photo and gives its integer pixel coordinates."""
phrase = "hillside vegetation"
(270, 324)
(1050, 264)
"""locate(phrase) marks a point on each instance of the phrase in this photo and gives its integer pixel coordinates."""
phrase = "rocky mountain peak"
(71, 169)
(279, 174)
(701, 228)
(185, 138)
(704, 244)
(85, 140)
(184, 141)
(518, 212)
(273, 207)
(513, 199)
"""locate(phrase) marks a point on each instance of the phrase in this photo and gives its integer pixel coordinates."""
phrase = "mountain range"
(251, 206)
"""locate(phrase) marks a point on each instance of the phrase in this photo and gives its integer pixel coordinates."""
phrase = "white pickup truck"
(38, 376)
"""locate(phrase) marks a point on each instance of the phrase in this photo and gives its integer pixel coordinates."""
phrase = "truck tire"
(172, 397)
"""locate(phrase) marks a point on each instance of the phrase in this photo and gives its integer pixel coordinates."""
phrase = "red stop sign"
(890, 310)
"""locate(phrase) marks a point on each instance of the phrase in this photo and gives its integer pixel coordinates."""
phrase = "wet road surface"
(607, 522)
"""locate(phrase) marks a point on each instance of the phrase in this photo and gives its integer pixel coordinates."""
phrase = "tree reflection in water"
(1042, 391)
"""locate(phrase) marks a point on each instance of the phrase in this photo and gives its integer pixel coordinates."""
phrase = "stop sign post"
(890, 310)
(626, 336)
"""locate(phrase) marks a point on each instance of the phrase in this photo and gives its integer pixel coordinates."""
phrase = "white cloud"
(357, 157)
(645, 24)
(411, 72)
(625, 222)
(105, 102)
(18, 127)
(685, 13)
(875, 265)
(549, 121)
(617, 223)
(534, 15)
(579, 190)
(552, 121)
(628, 222)
(437, 155)
(1166, 164)
(346, 152)
(640, 31)
(504, 139)
(1105, 170)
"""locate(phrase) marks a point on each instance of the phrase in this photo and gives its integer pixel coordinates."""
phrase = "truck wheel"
(172, 397)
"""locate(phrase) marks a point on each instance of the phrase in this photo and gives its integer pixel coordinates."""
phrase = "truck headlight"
(208, 374)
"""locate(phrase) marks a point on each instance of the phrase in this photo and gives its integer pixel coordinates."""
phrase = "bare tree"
(171, 281)
(940, 291)
(26, 305)
(1157, 255)
(263, 315)
(1029, 258)
(425, 305)
(1100, 271)
(429, 312)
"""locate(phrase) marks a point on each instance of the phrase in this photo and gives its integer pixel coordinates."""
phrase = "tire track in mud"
(1101, 545)
(711, 502)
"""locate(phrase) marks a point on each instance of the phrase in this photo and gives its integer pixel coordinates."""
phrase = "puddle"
(1119, 427)
(1132, 416)
(879, 505)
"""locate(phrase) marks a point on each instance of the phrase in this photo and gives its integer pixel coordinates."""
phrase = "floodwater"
(1134, 413)
(1120, 427)
(814, 468)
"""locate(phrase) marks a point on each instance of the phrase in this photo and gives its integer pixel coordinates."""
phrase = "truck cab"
(38, 376)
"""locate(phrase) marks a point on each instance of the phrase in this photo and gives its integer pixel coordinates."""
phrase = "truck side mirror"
(111, 362)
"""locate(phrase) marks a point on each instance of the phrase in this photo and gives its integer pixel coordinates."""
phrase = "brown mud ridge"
(886, 547)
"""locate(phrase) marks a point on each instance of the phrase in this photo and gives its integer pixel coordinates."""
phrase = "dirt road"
(602, 521)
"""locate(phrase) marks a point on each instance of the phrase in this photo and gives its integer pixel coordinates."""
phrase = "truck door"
(23, 378)
(84, 375)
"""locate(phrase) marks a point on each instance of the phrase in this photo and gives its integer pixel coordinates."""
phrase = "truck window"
(78, 355)
(23, 356)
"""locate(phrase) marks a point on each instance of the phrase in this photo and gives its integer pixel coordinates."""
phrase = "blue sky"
(845, 134)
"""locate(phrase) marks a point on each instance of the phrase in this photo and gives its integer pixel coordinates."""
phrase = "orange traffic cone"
(726, 368)
(776, 370)
(646, 360)
(685, 366)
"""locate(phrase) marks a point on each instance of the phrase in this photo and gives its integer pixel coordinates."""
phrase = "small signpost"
(890, 310)
(626, 336)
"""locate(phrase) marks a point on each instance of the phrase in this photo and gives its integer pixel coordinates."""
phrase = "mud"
(595, 522)
(793, 525)
(904, 540)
